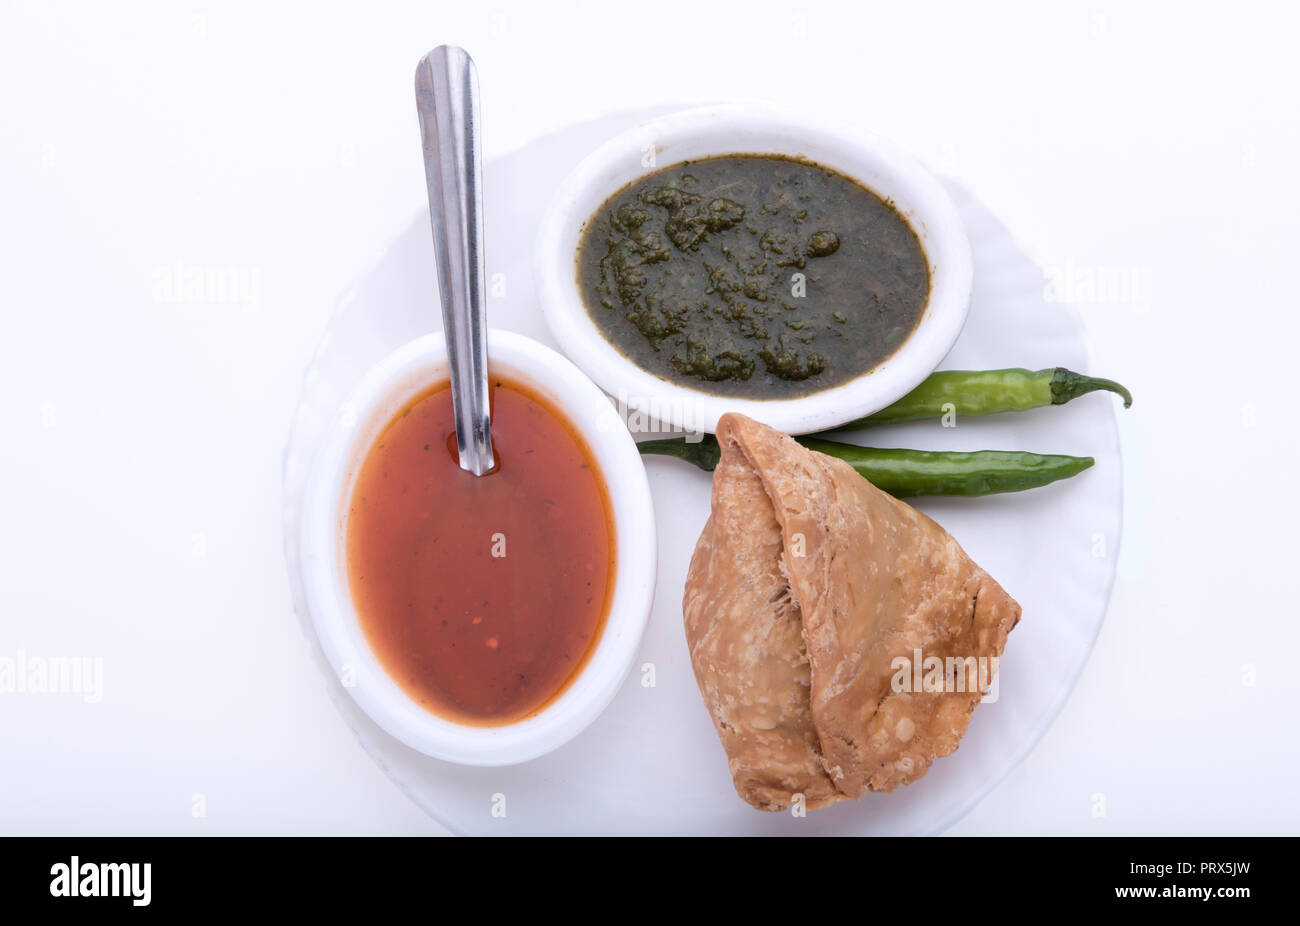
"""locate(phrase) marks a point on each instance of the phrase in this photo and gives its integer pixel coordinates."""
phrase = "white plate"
(651, 763)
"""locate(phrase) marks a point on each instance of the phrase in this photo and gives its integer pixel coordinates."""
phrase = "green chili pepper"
(984, 392)
(909, 473)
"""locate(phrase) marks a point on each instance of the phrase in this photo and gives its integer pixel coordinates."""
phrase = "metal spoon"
(446, 96)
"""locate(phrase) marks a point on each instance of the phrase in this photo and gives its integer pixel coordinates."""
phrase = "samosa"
(808, 588)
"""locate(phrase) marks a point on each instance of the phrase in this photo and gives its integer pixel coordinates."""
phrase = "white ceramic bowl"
(380, 394)
(749, 129)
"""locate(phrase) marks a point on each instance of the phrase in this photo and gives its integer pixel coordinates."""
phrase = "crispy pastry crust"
(805, 587)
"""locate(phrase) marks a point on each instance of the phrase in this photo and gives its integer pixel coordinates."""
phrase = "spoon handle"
(446, 96)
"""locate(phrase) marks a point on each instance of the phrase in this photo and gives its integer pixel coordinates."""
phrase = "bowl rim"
(750, 128)
(377, 396)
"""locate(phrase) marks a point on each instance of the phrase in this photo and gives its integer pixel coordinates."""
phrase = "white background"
(142, 432)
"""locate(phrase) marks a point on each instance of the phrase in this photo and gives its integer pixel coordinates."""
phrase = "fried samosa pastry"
(807, 585)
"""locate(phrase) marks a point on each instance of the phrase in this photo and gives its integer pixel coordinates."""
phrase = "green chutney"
(755, 276)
